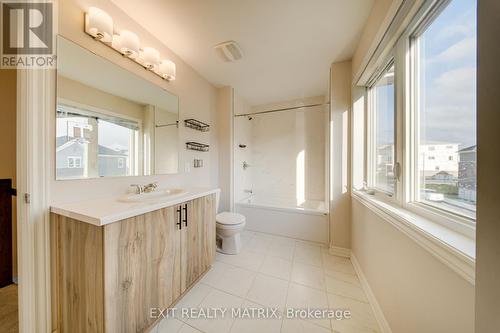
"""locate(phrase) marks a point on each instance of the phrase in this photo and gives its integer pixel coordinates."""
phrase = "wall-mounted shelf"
(197, 125)
(191, 145)
(176, 124)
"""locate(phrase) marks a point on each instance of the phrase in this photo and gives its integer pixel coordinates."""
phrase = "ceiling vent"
(229, 51)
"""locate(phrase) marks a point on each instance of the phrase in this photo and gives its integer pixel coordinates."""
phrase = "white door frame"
(35, 91)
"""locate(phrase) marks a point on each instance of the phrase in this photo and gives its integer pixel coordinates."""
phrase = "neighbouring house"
(442, 177)
(72, 159)
(435, 157)
(385, 161)
(467, 186)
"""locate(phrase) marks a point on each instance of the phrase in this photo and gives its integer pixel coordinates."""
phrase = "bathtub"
(283, 217)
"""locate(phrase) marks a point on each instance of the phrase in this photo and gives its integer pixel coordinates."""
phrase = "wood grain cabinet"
(110, 278)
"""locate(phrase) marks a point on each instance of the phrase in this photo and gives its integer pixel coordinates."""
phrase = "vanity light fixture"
(99, 25)
(167, 69)
(128, 44)
(151, 58)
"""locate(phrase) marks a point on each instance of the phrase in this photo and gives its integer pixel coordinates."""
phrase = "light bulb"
(151, 57)
(167, 70)
(99, 24)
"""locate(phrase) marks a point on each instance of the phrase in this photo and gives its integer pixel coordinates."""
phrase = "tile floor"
(275, 272)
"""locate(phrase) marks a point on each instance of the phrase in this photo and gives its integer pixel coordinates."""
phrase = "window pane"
(447, 109)
(75, 134)
(115, 146)
(383, 103)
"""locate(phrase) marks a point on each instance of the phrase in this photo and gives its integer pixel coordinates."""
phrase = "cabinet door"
(197, 239)
(142, 263)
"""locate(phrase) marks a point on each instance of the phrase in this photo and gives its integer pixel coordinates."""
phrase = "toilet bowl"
(228, 230)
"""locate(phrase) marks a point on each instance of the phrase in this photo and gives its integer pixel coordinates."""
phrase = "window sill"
(452, 248)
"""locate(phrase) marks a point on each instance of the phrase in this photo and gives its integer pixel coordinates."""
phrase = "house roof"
(442, 173)
(468, 149)
(65, 141)
(109, 151)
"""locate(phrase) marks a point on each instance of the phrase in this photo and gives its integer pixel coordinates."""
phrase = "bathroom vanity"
(118, 262)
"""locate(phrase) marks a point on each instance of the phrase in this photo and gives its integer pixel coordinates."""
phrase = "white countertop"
(103, 211)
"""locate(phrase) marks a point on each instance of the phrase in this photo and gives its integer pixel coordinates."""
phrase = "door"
(5, 232)
(197, 239)
(142, 259)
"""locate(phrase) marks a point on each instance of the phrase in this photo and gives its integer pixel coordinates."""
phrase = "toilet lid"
(230, 218)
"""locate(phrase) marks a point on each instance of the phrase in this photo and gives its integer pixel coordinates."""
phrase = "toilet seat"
(230, 219)
(228, 228)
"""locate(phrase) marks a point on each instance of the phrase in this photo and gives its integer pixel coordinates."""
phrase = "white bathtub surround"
(247, 280)
(242, 129)
(283, 217)
(107, 210)
(285, 150)
(280, 168)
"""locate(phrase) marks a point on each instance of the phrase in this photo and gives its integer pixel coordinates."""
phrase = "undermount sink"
(155, 195)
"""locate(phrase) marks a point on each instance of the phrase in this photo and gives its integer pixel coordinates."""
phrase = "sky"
(110, 135)
(448, 80)
(449, 83)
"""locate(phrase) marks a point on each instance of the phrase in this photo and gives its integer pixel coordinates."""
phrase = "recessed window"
(383, 133)
(445, 96)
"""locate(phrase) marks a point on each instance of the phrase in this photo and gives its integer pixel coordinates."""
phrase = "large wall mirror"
(111, 122)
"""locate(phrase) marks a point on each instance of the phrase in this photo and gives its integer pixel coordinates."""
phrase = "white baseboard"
(339, 251)
(377, 310)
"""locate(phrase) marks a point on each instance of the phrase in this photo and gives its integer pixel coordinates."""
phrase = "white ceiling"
(288, 45)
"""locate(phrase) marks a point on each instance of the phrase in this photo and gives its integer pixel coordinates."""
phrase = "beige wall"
(340, 202)
(8, 91)
(225, 100)
(416, 292)
(488, 160)
(197, 99)
(89, 96)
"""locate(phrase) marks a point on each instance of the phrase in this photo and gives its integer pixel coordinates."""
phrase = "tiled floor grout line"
(272, 242)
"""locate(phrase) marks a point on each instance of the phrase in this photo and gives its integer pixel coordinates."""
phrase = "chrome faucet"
(138, 188)
(150, 187)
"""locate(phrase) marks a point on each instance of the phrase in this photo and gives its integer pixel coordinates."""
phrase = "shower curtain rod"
(283, 109)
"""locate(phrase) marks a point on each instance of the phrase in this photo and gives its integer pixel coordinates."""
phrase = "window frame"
(456, 221)
(371, 160)
(136, 138)
(402, 53)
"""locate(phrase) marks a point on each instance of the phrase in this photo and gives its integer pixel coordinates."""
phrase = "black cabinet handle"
(186, 215)
(179, 220)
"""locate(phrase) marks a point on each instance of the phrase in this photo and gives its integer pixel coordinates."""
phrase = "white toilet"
(228, 228)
